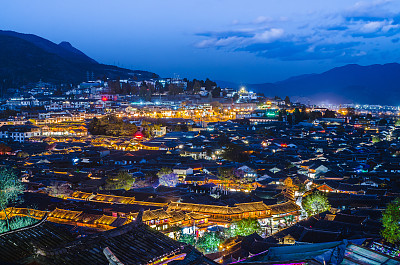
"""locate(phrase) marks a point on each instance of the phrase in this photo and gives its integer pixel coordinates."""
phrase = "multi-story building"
(19, 133)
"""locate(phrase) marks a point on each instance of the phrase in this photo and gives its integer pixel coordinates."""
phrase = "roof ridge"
(42, 221)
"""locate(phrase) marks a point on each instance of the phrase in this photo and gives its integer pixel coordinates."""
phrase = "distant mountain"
(29, 58)
(373, 84)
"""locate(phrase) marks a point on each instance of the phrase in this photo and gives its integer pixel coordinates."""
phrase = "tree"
(60, 189)
(189, 239)
(16, 223)
(216, 92)
(176, 230)
(174, 89)
(391, 222)
(168, 180)
(22, 154)
(144, 90)
(315, 115)
(382, 122)
(209, 84)
(351, 112)
(127, 88)
(159, 87)
(114, 86)
(287, 100)
(196, 87)
(397, 123)
(181, 128)
(149, 129)
(290, 119)
(315, 203)
(280, 115)
(376, 139)
(10, 189)
(112, 126)
(297, 115)
(123, 180)
(245, 227)
(164, 171)
(288, 219)
(209, 242)
(226, 173)
(302, 188)
(93, 126)
(330, 114)
(234, 152)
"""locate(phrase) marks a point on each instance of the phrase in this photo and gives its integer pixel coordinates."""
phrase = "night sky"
(240, 41)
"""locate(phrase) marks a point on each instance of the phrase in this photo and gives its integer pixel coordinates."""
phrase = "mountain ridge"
(29, 58)
(351, 83)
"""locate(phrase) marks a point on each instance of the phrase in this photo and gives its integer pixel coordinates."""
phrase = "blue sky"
(241, 41)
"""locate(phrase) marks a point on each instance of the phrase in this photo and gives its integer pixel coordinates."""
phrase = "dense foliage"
(10, 187)
(235, 153)
(10, 190)
(164, 171)
(189, 239)
(209, 242)
(195, 85)
(111, 126)
(169, 180)
(244, 227)
(16, 223)
(315, 203)
(391, 222)
(123, 180)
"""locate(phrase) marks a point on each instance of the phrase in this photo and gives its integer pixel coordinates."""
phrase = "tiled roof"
(46, 243)
(134, 243)
(22, 243)
(285, 207)
(217, 209)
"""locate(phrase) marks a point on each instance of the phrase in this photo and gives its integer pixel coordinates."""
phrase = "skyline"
(213, 132)
(238, 42)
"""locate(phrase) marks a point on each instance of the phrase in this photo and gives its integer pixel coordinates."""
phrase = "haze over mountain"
(29, 58)
(352, 83)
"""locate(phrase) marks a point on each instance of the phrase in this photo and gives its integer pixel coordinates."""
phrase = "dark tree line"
(111, 126)
(233, 152)
(195, 84)
(146, 90)
(300, 114)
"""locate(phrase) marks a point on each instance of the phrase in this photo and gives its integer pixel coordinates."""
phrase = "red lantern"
(138, 135)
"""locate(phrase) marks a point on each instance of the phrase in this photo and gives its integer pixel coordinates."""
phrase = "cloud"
(239, 38)
(218, 42)
(240, 33)
(364, 10)
(346, 35)
(302, 50)
(370, 20)
(262, 19)
(268, 35)
(371, 29)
